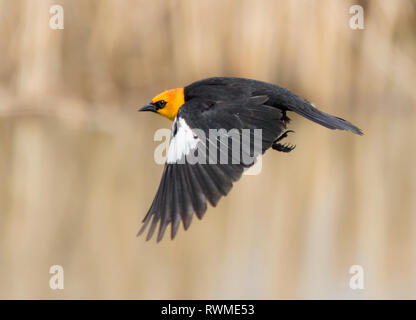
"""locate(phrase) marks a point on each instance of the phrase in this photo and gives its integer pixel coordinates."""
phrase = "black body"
(224, 88)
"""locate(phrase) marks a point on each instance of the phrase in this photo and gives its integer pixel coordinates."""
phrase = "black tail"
(310, 112)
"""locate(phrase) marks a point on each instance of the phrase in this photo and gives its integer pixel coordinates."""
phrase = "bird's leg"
(283, 135)
(283, 147)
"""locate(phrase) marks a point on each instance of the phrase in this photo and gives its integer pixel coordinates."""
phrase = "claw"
(283, 135)
(283, 147)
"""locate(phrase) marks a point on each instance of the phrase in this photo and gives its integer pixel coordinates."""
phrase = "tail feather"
(310, 112)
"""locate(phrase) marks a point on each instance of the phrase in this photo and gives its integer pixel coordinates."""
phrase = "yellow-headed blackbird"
(223, 106)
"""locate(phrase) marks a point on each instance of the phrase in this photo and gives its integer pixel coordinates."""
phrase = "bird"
(220, 105)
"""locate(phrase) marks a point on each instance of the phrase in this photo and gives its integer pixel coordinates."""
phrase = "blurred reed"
(77, 171)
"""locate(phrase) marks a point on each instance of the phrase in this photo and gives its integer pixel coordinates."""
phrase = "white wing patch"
(182, 142)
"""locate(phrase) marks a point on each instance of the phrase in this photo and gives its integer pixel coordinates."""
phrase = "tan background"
(77, 172)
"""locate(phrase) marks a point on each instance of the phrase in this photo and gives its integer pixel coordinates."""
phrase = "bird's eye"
(160, 104)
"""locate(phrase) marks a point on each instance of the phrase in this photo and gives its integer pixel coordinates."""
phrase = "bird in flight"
(207, 151)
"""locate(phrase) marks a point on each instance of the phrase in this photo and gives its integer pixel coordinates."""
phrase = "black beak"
(148, 107)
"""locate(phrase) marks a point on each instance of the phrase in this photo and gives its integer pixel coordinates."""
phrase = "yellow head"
(166, 103)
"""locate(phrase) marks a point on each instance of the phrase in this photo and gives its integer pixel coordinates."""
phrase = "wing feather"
(186, 187)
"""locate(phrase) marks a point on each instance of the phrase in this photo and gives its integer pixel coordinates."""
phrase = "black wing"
(186, 185)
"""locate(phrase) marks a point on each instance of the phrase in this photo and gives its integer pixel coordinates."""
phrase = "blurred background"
(77, 171)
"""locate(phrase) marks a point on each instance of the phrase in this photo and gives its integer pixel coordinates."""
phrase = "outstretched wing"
(204, 158)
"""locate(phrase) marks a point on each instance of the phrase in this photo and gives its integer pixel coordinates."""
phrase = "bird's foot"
(283, 135)
(283, 147)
